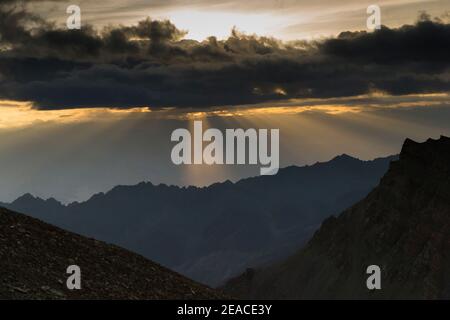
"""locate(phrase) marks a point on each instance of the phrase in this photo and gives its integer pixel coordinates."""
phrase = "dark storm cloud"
(152, 64)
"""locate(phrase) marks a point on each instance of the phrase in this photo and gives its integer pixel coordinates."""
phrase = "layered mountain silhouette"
(402, 226)
(211, 234)
(34, 258)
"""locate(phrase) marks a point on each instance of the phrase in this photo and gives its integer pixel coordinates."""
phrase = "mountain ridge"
(212, 233)
(343, 156)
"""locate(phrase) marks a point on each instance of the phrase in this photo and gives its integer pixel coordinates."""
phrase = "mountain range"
(402, 226)
(213, 233)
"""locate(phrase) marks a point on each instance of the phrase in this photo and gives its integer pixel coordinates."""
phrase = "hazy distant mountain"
(403, 226)
(34, 258)
(211, 234)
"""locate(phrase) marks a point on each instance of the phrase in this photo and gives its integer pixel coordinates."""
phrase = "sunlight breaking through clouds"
(21, 114)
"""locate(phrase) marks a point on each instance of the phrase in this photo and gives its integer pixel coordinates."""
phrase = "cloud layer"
(152, 64)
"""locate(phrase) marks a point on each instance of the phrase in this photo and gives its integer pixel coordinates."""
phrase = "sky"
(84, 110)
(283, 19)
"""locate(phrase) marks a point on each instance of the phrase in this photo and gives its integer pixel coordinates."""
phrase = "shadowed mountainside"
(34, 257)
(211, 234)
(403, 226)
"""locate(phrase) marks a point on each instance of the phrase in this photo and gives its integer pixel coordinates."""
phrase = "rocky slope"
(34, 257)
(403, 226)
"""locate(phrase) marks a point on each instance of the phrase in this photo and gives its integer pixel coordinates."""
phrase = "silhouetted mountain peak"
(432, 148)
(52, 200)
(27, 199)
(345, 157)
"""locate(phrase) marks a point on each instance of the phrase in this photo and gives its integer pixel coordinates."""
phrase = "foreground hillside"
(211, 234)
(34, 257)
(403, 226)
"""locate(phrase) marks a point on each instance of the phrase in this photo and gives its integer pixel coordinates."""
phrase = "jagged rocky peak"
(422, 167)
(428, 149)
